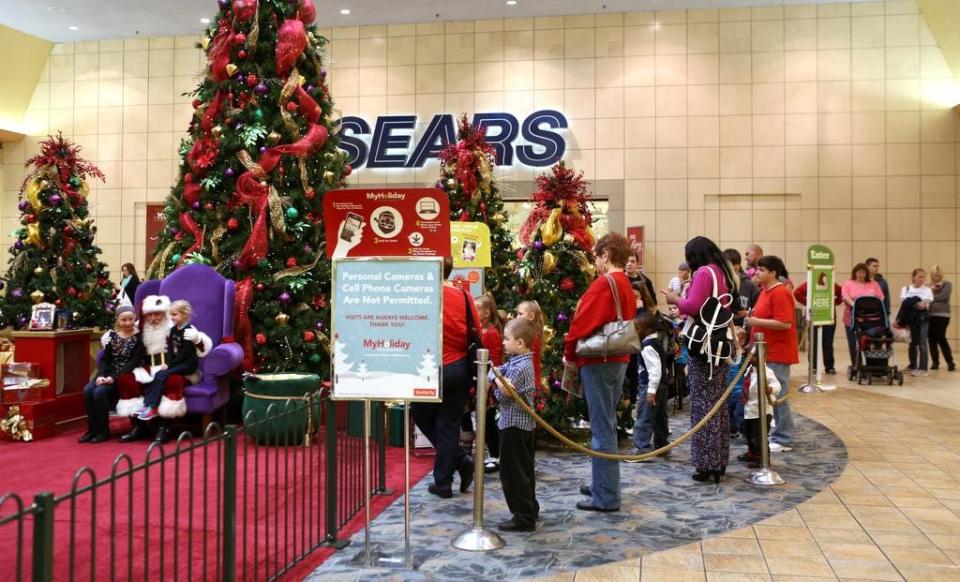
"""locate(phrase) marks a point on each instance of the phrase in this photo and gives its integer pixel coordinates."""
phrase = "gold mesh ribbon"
(298, 270)
(293, 81)
(276, 214)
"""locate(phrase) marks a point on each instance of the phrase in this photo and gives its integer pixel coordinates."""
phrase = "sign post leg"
(366, 483)
(406, 485)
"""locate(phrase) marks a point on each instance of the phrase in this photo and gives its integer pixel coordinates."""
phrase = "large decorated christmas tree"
(556, 267)
(54, 259)
(258, 160)
(467, 177)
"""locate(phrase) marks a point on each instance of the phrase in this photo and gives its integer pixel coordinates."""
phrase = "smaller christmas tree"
(556, 267)
(428, 366)
(54, 259)
(467, 177)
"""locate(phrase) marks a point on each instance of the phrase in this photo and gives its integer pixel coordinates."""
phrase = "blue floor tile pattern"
(662, 508)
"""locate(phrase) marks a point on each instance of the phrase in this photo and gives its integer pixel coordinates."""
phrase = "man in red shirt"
(774, 316)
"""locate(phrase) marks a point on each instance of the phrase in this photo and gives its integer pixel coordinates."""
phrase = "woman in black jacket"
(130, 281)
(122, 352)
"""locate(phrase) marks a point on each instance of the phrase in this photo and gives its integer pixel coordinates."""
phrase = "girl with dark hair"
(130, 282)
(710, 447)
(774, 316)
(860, 284)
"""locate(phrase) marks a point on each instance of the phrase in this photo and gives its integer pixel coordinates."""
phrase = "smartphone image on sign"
(351, 226)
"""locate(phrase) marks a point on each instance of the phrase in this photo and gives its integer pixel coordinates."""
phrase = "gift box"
(40, 417)
(20, 383)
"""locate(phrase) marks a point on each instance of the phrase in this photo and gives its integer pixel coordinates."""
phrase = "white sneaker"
(778, 448)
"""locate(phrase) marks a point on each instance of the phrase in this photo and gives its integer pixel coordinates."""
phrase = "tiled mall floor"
(893, 515)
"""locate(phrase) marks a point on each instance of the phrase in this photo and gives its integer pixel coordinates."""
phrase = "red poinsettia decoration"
(65, 156)
(203, 154)
(463, 156)
(562, 188)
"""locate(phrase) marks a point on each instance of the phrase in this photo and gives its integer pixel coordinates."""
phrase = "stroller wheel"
(900, 378)
(890, 378)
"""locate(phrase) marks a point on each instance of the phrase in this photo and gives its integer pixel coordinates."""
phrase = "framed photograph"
(42, 317)
(64, 319)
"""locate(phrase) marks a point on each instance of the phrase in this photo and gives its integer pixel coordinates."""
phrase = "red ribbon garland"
(189, 226)
(68, 245)
(291, 42)
(219, 54)
(244, 10)
(243, 299)
(212, 112)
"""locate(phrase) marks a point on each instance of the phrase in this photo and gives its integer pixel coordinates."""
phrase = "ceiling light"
(344, 11)
(205, 20)
(74, 27)
(511, 2)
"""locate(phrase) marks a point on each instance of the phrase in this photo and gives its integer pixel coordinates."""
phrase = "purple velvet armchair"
(211, 297)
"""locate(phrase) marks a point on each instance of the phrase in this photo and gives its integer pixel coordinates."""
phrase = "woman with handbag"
(713, 277)
(440, 422)
(609, 299)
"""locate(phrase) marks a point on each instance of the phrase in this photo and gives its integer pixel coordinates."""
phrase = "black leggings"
(937, 339)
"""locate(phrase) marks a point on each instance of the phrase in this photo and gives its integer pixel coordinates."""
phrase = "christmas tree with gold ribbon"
(556, 267)
(54, 259)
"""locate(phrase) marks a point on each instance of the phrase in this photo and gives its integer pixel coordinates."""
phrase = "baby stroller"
(874, 339)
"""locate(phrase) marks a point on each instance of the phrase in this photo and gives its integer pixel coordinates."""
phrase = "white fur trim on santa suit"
(129, 406)
(155, 303)
(172, 408)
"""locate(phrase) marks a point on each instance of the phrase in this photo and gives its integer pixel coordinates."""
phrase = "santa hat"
(155, 304)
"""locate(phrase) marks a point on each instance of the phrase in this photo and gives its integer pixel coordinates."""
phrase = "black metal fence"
(239, 503)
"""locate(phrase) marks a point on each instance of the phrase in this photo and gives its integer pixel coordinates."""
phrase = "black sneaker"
(513, 525)
(935, 366)
(441, 493)
(951, 366)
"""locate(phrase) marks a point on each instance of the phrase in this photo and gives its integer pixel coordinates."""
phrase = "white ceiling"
(106, 19)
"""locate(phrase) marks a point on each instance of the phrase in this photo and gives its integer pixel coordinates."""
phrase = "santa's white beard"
(154, 337)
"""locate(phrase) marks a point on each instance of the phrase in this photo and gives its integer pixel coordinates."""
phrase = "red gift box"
(41, 418)
(14, 376)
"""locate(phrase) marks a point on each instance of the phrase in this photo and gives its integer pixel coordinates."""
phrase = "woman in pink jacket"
(860, 284)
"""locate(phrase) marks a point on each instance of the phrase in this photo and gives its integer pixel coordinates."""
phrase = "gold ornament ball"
(37, 296)
(217, 131)
(231, 69)
(76, 315)
(38, 271)
(273, 138)
(329, 156)
(282, 318)
(328, 177)
(499, 218)
(451, 183)
(568, 238)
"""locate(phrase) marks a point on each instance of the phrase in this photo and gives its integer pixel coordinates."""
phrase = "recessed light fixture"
(511, 2)
(345, 11)
(74, 27)
(205, 20)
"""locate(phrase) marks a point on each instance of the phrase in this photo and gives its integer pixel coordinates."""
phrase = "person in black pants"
(440, 422)
(122, 352)
(940, 320)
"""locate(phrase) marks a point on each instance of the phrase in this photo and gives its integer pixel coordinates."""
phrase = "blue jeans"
(735, 410)
(602, 387)
(651, 420)
(783, 434)
(918, 350)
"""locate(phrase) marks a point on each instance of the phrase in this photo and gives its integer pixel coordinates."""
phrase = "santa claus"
(161, 337)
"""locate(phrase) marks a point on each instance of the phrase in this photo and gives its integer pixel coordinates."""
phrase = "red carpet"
(280, 506)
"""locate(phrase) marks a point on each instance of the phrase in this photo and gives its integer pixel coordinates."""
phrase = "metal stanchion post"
(764, 476)
(366, 483)
(813, 379)
(407, 560)
(478, 539)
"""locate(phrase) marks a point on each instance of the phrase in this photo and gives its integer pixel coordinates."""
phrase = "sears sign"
(534, 142)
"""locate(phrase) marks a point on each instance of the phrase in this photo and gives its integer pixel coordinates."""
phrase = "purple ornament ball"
(55, 200)
(17, 293)
(539, 245)
(237, 264)
(307, 249)
(261, 89)
(323, 74)
(556, 384)
(309, 88)
(109, 307)
(228, 172)
(2, 284)
(561, 316)
(284, 297)
(18, 245)
(196, 205)
(319, 325)
(263, 149)
(174, 230)
(23, 205)
(223, 4)
(22, 320)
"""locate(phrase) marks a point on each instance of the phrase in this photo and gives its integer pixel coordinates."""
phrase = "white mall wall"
(781, 125)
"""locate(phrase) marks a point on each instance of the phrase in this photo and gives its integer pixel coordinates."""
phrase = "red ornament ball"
(30, 218)
(261, 287)
(252, 80)
(292, 106)
(347, 170)
(208, 206)
(102, 282)
(242, 54)
(291, 262)
(197, 103)
(309, 336)
(566, 284)
(178, 236)
(188, 177)
(239, 38)
(309, 194)
(233, 223)
(57, 302)
(260, 339)
(71, 291)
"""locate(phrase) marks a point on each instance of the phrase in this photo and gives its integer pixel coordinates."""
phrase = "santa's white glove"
(191, 335)
(105, 340)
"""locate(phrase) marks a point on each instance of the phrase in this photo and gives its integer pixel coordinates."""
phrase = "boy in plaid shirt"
(516, 428)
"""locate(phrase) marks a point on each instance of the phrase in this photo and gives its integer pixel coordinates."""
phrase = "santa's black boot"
(139, 432)
(163, 434)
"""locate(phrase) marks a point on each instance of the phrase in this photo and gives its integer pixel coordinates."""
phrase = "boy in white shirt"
(751, 411)
(652, 393)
